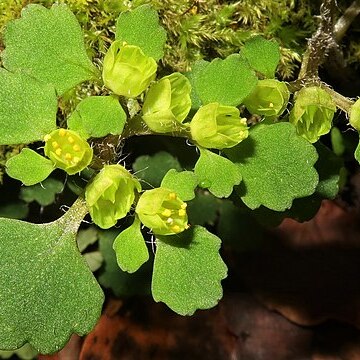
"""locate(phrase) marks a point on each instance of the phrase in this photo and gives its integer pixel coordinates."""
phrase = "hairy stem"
(320, 43)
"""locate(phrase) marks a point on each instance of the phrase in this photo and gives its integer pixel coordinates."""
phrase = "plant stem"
(320, 43)
(344, 22)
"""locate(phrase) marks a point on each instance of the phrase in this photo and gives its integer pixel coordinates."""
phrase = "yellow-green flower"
(68, 150)
(312, 113)
(269, 98)
(167, 103)
(162, 211)
(110, 195)
(127, 70)
(217, 126)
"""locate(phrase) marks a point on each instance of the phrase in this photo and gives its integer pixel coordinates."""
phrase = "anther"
(55, 145)
(184, 206)
(170, 220)
(166, 213)
(271, 105)
(71, 140)
(75, 160)
(68, 156)
(62, 132)
(76, 147)
(182, 212)
(176, 228)
(172, 196)
(58, 152)
(47, 137)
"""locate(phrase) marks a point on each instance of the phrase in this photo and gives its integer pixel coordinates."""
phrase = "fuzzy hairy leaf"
(141, 27)
(98, 116)
(263, 55)
(44, 193)
(47, 292)
(183, 183)
(121, 282)
(152, 168)
(227, 81)
(29, 167)
(27, 108)
(188, 271)
(130, 248)
(203, 208)
(14, 210)
(86, 237)
(48, 44)
(328, 166)
(277, 166)
(216, 173)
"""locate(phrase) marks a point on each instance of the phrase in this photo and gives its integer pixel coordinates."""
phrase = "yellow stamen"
(187, 226)
(76, 147)
(58, 152)
(176, 228)
(75, 160)
(182, 212)
(184, 206)
(62, 132)
(47, 137)
(55, 145)
(68, 156)
(166, 212)
(71, 140)
(172, 196)
(271, 105)
(170, 220)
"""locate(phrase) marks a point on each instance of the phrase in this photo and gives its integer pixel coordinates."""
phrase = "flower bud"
(354, 113)
(167, 103)
(312, 113)
(269, 98)
(127, 71)
(67, 150)
(110, 195)
(217, 126)
(162, 211)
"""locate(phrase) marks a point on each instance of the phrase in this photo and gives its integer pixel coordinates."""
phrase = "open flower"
(127, 70)
(269, 98)
(68, 150)
(110, 195)
(167, 103)
(217, 126)
(162, 211)
(312, 113)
